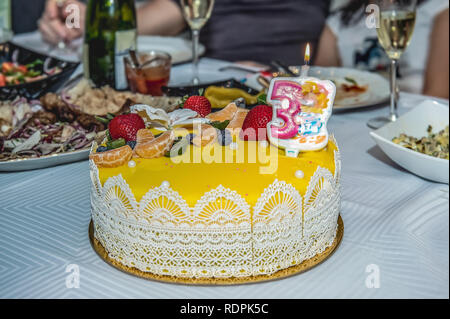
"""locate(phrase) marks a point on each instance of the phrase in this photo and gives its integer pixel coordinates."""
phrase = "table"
(396, 225)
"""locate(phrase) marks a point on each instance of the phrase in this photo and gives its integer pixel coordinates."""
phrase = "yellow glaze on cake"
(193, 180)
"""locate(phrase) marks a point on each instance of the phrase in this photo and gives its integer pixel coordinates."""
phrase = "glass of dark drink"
(150, 73)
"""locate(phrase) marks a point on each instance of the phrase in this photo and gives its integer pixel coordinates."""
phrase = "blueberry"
(224, 137)
(190, 138)
(131, 144)
(101, 149)
(177, 139)
(240, 102)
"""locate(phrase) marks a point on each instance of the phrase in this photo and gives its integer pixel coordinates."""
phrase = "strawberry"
(126, 126)
(199, 104)
(255, 123)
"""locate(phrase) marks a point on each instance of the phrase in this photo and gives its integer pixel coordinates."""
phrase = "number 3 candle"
(301, 109)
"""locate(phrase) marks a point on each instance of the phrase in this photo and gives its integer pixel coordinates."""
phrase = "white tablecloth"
(393, 220)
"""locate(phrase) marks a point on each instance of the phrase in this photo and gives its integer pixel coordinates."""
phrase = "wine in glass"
(396, 27)
(196, 13)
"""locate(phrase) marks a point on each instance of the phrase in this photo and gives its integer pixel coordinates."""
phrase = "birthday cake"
(231, 194)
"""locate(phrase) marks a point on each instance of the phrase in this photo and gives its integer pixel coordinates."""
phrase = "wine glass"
(396, 26)
(196, 13)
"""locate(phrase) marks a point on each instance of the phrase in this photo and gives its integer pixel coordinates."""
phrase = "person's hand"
(52, 24)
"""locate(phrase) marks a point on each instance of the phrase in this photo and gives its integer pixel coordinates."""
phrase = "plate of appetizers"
(60, 128)
(354, 88)
(36, 134)
(29, 74)
(419, 141)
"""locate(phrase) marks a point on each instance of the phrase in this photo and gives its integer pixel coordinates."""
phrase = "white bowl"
(415, 123)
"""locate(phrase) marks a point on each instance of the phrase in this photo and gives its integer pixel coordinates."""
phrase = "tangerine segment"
(113, 158)
(156, 147)
(144, 135)
(238, 120)
(204, 134)
(225, 114)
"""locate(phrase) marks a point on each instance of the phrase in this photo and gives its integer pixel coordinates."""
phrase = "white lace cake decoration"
(221, 236)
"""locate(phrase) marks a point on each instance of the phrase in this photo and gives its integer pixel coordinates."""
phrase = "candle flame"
(307, 54)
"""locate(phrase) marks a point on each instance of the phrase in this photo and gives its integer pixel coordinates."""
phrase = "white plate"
(415, 123)
(44, 161)
(180, 49)
(377, 93)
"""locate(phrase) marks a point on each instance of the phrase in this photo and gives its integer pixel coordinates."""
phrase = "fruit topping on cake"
(132, 144)
(179, 146)
(126, 126)
(112, 158)
(144, 135)
(204, 134)
(156, 147)
(179, 129)
(238, 120)
(199, 104)
(113, 144)
(254, 127)
(225, 114)
(224, 137)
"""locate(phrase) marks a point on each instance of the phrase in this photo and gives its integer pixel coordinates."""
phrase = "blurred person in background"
(52, 23)
(25, 14)
(258, 30)
(424, 67)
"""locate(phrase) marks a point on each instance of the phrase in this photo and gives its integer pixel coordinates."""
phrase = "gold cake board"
(284, 273)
